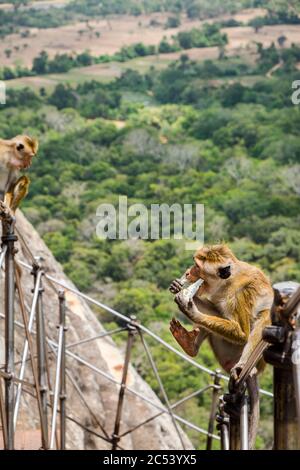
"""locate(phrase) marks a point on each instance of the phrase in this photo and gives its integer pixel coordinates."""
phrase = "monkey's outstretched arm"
(228, 329)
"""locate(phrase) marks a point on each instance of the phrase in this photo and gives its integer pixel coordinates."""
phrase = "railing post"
(244, 424)
(130, 340)
(213, 409)
(280, 335)
(62, 395)
(8, 239)
(223, 425)
(41, 353)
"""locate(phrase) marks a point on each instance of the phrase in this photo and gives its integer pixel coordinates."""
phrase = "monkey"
(230, 310)
(15, 154)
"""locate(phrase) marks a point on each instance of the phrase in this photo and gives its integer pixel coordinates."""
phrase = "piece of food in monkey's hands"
(192, 289)
(182, 284)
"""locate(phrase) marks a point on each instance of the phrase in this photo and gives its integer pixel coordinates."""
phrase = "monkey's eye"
(20, 147)
(224, 273)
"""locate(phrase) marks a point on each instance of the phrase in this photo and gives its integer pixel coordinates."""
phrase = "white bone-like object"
(192, 289)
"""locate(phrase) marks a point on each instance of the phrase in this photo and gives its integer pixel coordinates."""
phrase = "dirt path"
(274, 68)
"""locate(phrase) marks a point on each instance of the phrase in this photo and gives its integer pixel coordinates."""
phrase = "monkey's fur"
(15, 154)
(230, 309)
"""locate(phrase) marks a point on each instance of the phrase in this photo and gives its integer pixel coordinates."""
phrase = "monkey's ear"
(224, 273)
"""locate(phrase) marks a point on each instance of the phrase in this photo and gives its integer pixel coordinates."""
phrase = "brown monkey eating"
(15, 154)
(230, 309)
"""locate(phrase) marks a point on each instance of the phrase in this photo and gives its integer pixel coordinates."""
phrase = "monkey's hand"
(187, 304)
(235, 373)
(175, 286)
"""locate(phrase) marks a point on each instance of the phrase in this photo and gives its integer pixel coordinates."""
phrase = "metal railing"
(39, 348)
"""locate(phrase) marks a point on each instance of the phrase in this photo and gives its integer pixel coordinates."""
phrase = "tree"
(281, 40)
(173, 22)
(40, 63)
(63, 97)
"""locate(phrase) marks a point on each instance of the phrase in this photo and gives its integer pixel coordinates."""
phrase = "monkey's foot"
(186, 339)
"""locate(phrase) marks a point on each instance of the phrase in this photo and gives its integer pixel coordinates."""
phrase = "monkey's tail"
(253, 392)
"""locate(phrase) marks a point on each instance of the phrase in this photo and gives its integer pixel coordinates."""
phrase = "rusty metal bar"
(130, 340)
(63, 394)
(2, 255)
(57, 384)
(234, 433)
(223, 425)
(41, 353)
(8, 239)
(3, 417)
(244, 424)
(214, 404)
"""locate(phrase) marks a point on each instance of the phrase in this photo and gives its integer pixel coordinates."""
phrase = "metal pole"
(62, 395)
(41, 353)
(281, 335)
(244, 424)
(9, 239)
(234, 432)
(213, 409)
(57, 384)
(26, 347)
(3, 417)
(223, 424)
(296, 364)
(286, 428)
(130, 340)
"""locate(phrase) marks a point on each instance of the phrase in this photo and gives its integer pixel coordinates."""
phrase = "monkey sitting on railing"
(15, 155)
(230, 309)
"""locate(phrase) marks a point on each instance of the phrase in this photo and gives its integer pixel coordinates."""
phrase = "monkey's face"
(25, 149)
(213, 264)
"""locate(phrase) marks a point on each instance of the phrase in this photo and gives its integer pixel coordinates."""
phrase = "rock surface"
(99, 393)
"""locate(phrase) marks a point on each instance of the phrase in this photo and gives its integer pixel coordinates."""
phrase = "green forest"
(217, 132)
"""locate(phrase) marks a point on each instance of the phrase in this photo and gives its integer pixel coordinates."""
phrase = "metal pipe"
(213, 409)
(93, 338)
(25, 349)
(130, 340)
(296, 364)
(223, 424)
(62, 395)
(224, 436)
(244, 424)
(9, 239)
(41, 354)
(286, 426)
(57, 383)
(234, 432)
(3, 417)
(2, 255)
